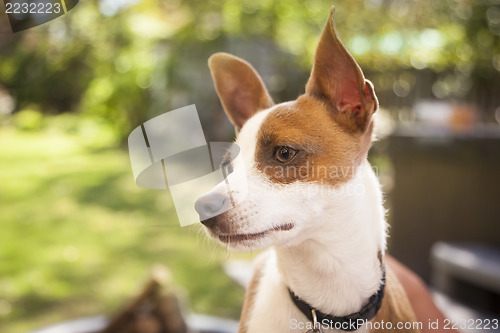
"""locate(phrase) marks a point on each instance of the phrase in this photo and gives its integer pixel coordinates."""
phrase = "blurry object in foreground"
(156, 309)
(152, 311)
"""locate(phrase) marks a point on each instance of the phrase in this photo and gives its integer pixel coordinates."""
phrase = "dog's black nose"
(211, 205)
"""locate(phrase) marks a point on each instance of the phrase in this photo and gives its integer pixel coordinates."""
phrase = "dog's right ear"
(337, 79)
(239, 87)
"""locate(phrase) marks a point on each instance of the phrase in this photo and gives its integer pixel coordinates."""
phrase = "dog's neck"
(338, 267)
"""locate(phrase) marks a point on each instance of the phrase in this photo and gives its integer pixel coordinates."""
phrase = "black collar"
(350, 322)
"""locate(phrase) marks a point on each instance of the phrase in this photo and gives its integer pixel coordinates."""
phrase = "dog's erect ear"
(239, 87)
(338, 79)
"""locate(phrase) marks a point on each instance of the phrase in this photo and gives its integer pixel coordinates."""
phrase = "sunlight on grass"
(78, 236)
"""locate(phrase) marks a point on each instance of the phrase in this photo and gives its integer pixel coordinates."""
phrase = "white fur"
(335, 268)
(329, 257)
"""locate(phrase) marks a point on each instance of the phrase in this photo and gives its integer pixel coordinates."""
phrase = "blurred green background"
(76, 234)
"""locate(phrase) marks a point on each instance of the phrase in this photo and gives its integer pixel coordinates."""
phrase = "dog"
(312, 198)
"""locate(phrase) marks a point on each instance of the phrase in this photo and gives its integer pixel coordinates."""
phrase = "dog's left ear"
(338, 79)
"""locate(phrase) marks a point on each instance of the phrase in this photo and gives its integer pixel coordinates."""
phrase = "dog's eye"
(284, 154)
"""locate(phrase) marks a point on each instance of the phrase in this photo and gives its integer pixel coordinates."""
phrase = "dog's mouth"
(246, 237)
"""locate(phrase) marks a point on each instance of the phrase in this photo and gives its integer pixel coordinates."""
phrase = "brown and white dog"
(312, 197)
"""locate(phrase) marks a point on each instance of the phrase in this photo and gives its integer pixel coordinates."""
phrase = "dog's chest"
(273, 310)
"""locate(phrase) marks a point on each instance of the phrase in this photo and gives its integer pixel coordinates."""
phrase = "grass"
(77, 236)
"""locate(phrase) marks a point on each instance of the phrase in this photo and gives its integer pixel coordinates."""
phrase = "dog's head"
(298, 156)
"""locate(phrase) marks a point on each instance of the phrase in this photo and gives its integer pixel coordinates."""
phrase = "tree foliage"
(128, 60)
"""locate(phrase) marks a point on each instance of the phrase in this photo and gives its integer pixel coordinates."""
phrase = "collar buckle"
(315, 322)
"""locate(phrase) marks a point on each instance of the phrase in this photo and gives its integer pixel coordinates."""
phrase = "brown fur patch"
(396, 307)
(328, 153)
(252, 291)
